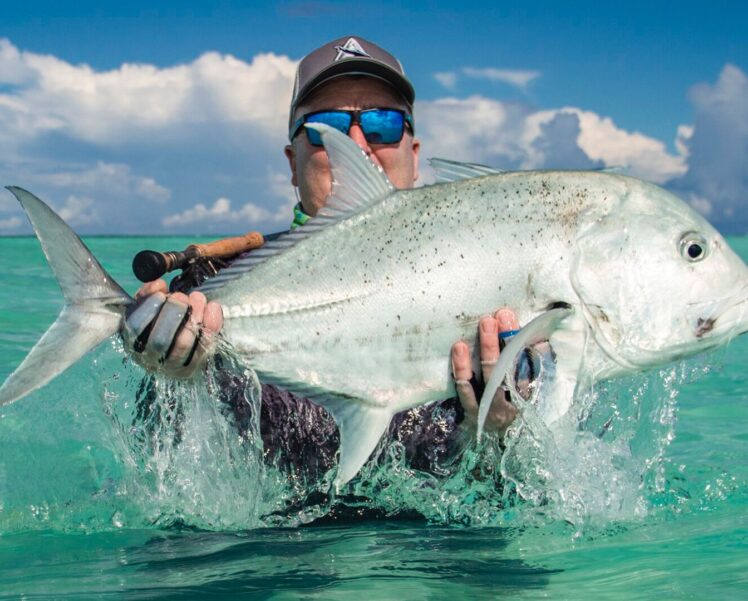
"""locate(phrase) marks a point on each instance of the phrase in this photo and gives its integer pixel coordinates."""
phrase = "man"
(362, 90)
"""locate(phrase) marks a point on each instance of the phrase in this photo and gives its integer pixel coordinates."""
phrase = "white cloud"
(474, 129)
(513, 136)
(601, 140)
(717, 150)
(79, 210)
(221, 213)
(685, 133)
(12, 223)
(110, 107)
(249, 215)
(447, 78)
(120, 143)
(519, 78)
(13, 71)
(112, 179)
(134, 137)
(701, 204)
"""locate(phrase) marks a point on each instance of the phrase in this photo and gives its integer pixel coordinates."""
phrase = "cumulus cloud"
(557, 143)
(10, 224)
(53, 96)
(518, 78)
(716, 181)
(79, 210)
(111, 178)
(139, 148)
(476, 129)
(137, 136)
(515, 77)
(514, 136)
(447, 78)
(707, 167)
(606, 144)
(250, 215)
(221, 213)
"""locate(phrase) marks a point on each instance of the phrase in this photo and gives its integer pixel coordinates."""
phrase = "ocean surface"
(647, 499)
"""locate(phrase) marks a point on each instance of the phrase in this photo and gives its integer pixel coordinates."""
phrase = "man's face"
(310, 169)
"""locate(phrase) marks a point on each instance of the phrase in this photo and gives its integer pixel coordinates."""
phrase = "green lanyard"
(299, 216)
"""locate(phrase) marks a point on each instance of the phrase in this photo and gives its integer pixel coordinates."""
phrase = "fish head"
(656, 282)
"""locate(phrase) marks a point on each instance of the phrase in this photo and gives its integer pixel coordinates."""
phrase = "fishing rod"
(150, 265)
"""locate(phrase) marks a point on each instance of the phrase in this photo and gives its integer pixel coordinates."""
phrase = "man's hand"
(502, 412)
(181, 333)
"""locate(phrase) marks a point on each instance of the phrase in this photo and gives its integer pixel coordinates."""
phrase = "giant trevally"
(358, 309)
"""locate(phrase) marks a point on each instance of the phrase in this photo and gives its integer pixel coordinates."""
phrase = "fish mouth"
(726, 317)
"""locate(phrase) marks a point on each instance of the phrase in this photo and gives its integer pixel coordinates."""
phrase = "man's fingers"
(462, 370)
(507, 320)
(182, 352)
(165, 329)
(152, 288)
(489, 345)
(501, 414)
(213, 319)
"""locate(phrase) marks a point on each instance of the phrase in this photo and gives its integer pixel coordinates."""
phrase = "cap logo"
(350, 49)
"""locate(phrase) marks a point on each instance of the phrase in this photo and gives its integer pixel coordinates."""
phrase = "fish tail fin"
(94, 302)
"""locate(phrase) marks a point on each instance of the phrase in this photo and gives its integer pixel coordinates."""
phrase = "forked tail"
(94, 302)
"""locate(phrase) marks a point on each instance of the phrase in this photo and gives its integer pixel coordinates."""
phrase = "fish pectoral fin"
(539, 329)
(361, 428)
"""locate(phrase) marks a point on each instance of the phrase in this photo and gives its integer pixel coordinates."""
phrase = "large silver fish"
(358, 309)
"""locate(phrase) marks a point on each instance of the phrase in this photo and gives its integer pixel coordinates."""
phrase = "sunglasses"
(380, 126)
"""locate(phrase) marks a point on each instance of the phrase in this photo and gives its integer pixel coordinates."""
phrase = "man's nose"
(357, 135)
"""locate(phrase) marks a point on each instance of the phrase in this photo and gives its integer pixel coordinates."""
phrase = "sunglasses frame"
(355, 120)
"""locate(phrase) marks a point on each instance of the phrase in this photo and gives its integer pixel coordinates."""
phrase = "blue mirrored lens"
(339, 120)
(381, 126)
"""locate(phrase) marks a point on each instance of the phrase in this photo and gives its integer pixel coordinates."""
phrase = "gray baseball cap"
(348, 55)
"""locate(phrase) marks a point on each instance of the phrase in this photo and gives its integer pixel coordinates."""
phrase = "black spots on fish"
(704, 326)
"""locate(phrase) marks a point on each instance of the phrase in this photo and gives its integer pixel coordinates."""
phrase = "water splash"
(102, 459)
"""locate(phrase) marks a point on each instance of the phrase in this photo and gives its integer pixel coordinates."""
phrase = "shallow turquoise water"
(84, 515)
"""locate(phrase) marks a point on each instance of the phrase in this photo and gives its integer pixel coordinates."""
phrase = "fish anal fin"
(361, 428)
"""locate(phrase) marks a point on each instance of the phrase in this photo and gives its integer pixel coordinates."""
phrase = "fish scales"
(386, 287)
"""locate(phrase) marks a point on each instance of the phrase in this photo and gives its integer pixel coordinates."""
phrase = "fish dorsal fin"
(454, 171)
(357, 183)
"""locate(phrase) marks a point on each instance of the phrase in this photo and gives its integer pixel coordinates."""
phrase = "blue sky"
(168, 117)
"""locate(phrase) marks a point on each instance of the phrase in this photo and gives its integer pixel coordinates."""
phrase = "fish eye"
(693, 247)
